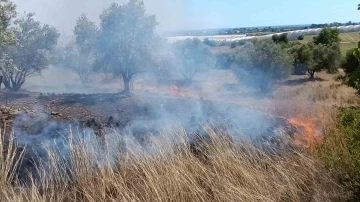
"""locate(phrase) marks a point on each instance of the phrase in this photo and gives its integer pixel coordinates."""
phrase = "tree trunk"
(13, 85)
(126, 85)
(311, 73)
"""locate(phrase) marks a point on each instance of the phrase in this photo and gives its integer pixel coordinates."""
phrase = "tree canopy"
(261, 62)
(303, 59)
(7, 13)
(327, 36)
(282, 38)
(31, 53)
(126, 41)
(192, 56)
(78, 55)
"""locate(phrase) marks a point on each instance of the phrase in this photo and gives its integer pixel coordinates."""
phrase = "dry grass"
(229, 172)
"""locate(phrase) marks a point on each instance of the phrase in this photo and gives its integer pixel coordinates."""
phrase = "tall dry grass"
(173, 170)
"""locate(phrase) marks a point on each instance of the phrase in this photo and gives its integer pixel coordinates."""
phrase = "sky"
(202, 14)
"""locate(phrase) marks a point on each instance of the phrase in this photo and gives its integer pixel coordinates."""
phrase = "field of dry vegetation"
(213, 169)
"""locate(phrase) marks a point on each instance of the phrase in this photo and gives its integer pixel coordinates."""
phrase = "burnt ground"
(139, 113)
(40, 118)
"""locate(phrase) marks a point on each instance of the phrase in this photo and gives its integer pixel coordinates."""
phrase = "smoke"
(40, 136)
(172, 15)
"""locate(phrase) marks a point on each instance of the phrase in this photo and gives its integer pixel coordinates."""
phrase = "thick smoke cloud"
(172, 15)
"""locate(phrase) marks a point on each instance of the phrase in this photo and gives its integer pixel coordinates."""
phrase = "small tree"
(327, 37)
(209, 42)
(224, 60)
(301, 37)
(192, 57)
(350, 62)
(126, 41)
(303, 59)
(261, 63)
(78, 55)
(31, 55)
(326, 57)
(282, 38)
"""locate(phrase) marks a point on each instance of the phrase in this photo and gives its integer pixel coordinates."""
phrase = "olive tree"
(327, 36)
(78, 55)
(262, 62)
(7, 13)
(192, 56)
(126, 41)
(7, 36)
(31, 53)
(303, 59)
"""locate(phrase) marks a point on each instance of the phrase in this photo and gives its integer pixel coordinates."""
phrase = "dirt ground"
(297, 96)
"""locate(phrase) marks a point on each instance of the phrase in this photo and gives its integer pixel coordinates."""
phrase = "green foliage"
(233, 44)
(85, 33)
(7, 13)
(209, 42)
(340, 150)
(192, 57)
(303, 59)
(224, 60)
(356, 52)
(351, 66)
(327, 37)
(261, 62)
(78, 55)
(31, 55)
(350, 63)
(126, 41)
(326, 57)
(354, 80)
(301, 37)
(282, 38)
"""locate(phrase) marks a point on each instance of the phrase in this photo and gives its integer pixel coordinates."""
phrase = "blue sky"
(233, 13)
(200, 14)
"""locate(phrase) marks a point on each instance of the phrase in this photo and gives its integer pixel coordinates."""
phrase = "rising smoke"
(40, 136)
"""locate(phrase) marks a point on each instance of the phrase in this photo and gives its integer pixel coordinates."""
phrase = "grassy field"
(348, 40)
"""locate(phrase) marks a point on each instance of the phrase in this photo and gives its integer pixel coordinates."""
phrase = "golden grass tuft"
(171, 172)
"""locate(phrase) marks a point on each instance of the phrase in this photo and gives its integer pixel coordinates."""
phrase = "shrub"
(303, 60)
(340, 149)
(326, 57)
(224, 60)
(327, 37)
(233, 44)
(262, 62)
(301, 37)
(350, 63)
(282, 38)
(209, 42)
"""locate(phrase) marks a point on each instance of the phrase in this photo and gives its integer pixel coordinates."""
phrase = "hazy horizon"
(179, 15)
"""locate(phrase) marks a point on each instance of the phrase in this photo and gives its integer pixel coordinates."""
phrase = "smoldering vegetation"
(39, 136)
(176, 142)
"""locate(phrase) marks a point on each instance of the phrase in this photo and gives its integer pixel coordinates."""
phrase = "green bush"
(260, 63)
(301, 37)
(282, 38)
(209, 42)
(327, 37)
(340, 150)
(224, 60)
(233, 44)
(349, 63)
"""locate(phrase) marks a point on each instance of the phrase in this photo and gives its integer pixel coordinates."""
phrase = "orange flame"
(176, 91)
(309, 134)
(152, 89)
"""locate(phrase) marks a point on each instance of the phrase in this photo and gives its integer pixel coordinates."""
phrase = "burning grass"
(168, 170)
